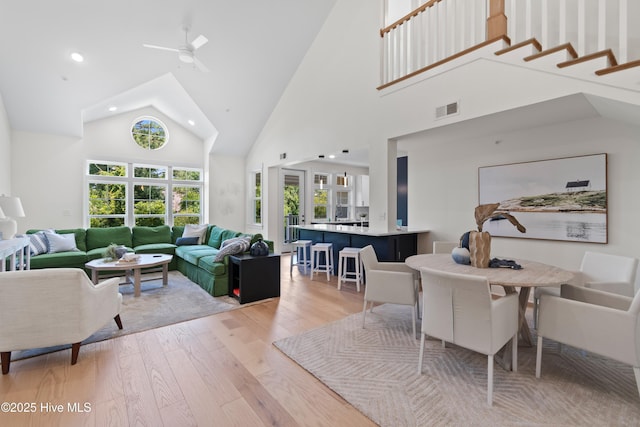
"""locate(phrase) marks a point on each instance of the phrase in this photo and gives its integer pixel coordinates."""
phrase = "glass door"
(293, 205)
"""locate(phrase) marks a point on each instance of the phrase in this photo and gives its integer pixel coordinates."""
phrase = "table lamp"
(11, 208)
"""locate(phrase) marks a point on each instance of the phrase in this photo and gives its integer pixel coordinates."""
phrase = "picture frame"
(555, 199)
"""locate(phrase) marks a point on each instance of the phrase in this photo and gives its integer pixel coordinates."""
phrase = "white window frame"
(254, 200)
(130, 181)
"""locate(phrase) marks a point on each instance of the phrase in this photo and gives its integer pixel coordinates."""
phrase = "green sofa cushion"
(215, 238)
(216, 268)
(193, 253)
(156, 248)
(103, 237)
(148, 235)
(60, 259)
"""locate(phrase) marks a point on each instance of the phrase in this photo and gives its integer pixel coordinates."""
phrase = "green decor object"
(480, 241)
(114, 252)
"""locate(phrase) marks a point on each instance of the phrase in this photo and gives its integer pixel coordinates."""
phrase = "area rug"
(157, 306)
(376, 370)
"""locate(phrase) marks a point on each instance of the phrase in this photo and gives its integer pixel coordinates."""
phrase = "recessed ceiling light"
(332, 156)
(191, 122)
(77, 57)
(113, 108)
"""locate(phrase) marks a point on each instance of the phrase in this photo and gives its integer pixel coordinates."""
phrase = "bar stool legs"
(316, 250)
(344, 275)
(299, 250)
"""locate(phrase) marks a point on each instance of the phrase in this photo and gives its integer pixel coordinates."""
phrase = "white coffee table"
(145, 261)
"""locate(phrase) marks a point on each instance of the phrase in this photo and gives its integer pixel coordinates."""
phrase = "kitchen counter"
(393, 245)
(356, 229)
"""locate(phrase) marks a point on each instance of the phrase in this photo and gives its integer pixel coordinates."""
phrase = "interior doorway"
(292, 186)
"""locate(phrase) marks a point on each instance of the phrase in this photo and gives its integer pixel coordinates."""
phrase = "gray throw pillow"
(237, 245)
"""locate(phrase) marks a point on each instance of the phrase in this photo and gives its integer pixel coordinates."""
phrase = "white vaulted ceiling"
(254, 48)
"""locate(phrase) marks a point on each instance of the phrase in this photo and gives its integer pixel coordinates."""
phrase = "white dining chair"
(459, 309)
(388, 282)
(611, 273)
(442, 247)
(593, 320)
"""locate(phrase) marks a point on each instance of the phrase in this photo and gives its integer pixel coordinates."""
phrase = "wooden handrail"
(409, 16)
(444, 61)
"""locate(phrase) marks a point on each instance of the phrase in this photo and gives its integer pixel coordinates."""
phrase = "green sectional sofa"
(197, 262)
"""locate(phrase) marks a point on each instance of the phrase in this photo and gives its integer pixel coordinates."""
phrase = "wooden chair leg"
(6, 361)
(75, 349)
(118, 321)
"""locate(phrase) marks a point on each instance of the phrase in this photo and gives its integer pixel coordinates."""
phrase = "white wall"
(443, 183)
(332, 101)
(227, 192)
(5, 151)
(48, 170)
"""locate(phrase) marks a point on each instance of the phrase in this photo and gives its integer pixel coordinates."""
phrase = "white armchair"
(48, 307)
(388, 282)
(593, 320)
(606, 272)
(458, 308)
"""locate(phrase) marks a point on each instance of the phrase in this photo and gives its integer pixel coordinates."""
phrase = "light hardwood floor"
(220, 370)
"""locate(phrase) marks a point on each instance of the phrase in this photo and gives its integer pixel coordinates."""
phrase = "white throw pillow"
(61, 242)
(195, 230)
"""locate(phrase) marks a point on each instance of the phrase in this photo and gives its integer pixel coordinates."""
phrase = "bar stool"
(343, 271)
(298, 248)
(327, 267)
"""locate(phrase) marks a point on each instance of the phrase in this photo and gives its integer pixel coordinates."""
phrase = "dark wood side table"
(254, 278)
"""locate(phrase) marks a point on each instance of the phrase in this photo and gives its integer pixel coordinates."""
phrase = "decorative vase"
(461, 256)
(259, 248)
(480, 248)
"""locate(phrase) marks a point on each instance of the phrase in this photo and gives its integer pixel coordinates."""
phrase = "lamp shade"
(11, 206)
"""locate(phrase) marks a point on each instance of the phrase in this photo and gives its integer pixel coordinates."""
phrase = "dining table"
(530, 275)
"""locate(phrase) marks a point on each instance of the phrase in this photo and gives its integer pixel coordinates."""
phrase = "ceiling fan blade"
(199, 41)
(200, 65)
(151, 46)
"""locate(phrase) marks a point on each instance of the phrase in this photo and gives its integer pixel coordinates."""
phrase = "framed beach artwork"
(557, 199)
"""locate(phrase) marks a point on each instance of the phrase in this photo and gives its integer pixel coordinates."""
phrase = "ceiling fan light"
(185, 55)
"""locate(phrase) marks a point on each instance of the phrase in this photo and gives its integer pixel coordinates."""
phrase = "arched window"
(149, 133)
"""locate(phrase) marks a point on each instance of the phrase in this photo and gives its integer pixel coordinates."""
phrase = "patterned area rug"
(376, 370)
(157, 306)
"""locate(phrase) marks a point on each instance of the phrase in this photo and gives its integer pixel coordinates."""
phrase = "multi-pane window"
(256, 198)
(107, 198)
(320, 196)
(132, 194)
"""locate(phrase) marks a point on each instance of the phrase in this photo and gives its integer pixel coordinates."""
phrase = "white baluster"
(562, 21)
(602, 26)
(529, 21)
(544, 16)
(582, 17)
(623, 31)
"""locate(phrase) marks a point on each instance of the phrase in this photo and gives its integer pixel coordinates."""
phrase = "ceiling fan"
(187, 52)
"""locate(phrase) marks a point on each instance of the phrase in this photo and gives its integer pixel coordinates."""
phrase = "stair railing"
(589, 25)
(440, 29)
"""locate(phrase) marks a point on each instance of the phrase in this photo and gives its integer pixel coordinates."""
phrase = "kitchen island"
(394, 245)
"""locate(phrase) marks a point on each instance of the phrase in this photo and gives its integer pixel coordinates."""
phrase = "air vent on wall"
(447, 110)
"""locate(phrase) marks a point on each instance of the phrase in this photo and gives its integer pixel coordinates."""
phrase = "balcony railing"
(441, 29)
